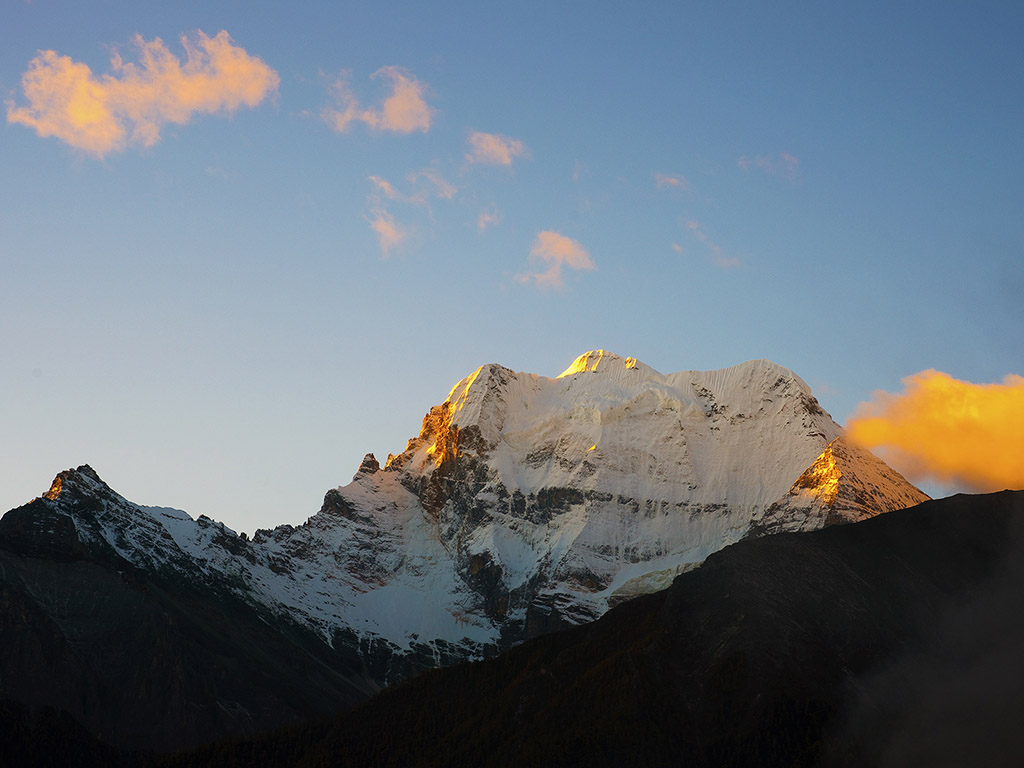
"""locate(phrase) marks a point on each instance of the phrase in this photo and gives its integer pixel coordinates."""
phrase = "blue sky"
(208, 316)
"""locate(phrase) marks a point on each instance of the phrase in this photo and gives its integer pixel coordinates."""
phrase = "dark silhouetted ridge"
(825, 648)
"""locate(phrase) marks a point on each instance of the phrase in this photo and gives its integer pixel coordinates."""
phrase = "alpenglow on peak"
(601, 360)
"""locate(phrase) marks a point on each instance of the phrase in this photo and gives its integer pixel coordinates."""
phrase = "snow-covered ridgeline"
(528, 502)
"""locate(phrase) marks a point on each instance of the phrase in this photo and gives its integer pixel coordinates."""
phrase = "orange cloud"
(557, 251)
(953, 431)
(104, 114)
(494, 149)
(405, 110)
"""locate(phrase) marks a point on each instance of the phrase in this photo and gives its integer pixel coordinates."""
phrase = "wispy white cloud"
(494, 149)
(389, 235)
(782, 165)
(134, 102)
(386, 188)
(404, 110)
(426, 184)
(557, 251)
(436, 183)
(218, 172)
(718, 255)
(666, 181)
(488, 218)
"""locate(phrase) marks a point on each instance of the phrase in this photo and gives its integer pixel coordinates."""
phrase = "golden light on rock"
(821, 478)
(55, 489)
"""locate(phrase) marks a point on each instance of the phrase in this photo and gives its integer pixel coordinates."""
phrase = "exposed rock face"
(524, 505)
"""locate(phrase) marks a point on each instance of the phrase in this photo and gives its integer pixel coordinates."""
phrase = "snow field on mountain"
(649, 435)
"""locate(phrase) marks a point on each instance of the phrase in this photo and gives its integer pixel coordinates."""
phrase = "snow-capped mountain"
(524, 504)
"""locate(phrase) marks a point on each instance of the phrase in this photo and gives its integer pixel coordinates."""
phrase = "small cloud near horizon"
(494, 149)
(951, 431)
(557, 251)
(135, 101)
(404, 110)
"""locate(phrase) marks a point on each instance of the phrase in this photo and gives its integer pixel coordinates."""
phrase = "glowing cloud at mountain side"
(953, 431)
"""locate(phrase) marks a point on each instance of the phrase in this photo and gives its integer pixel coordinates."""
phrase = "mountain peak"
(599, 361)
(368, 467)
(72, 477)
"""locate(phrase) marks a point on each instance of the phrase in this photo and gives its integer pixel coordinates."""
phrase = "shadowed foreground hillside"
(143, 660)
(889, 642)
